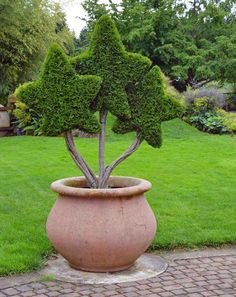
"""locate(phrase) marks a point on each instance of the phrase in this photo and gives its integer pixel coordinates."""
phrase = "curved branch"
(101, 151)
(80, 162)
(108, 170)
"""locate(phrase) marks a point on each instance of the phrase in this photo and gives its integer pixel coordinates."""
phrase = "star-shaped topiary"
(118, 68)
(61, 96)
(149, 107)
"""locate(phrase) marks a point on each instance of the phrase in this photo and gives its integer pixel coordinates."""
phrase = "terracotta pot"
(4, 121)
(101, 230)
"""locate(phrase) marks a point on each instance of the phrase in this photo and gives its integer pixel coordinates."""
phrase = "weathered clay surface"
(101, 230)
(4, 121)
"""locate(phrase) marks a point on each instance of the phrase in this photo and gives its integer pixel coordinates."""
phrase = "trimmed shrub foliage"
(131, 89)
(149, 107)
(61, 96)
(107, 58)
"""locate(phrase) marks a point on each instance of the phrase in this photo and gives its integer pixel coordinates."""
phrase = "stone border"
(10, 281)
(147, 266)
(193, 254)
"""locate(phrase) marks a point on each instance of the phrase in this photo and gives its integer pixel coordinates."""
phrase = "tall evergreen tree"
(27, 29)
(177, 36)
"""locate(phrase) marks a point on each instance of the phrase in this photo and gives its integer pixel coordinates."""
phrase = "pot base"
(101, 230)
(147, 266)
(108, 270)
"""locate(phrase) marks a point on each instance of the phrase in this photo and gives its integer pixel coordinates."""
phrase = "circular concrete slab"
(146, 266)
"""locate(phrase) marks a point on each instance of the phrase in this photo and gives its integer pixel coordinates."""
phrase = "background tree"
(178, 36)
(27, 29)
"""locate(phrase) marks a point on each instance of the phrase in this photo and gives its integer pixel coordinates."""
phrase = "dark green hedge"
(61, 96)
(108, 59)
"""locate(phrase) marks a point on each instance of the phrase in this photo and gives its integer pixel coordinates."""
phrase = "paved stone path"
(193, 274)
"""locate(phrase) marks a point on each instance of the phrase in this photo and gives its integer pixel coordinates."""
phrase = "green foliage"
(229, 120)
(212, 94)
(108, 59)
(204, 114)
(209, 122)
(130, 90)
(224, 58)
(169, 90)
(192, 43)
(201, 105)
(27, 29)
(27, 120)
(61, 96)
(149, 107)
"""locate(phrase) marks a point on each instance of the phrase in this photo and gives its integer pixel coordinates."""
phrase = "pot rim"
(124, 186)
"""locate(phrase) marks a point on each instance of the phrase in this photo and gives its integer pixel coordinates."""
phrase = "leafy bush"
(214, 94)
(229, 119)
(203, 114)
(3, 101)
(201, 105)
(169, 89)
(209, 122)
(27, 120)
(232, 101)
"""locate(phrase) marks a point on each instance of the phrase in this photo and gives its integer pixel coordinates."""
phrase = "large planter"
(4, 121)
(101, 230)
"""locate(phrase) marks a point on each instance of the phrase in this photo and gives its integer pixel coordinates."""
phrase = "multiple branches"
(108, 170)
(79, 161)
(104, 172)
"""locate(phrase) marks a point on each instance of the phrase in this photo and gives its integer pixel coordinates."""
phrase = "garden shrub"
(209, 122)
(214, 94)
(61, 96)
(132, 90)
(229, 120)
(109, 79)
(171, 91)
(3, 101)
(201, 105)
(232, 101)
(107, 58)
(122, 75)
(204, 115)
(147, 115)
(27, 121)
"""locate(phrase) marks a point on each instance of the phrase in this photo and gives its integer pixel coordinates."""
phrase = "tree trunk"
(79, 161)
(108, 170)
(101, 153)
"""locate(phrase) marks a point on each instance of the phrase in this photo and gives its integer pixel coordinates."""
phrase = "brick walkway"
(207, 273)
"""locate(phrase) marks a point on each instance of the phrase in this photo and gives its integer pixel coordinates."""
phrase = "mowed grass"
(193, 194)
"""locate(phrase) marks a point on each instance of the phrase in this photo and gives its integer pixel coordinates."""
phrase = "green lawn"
(193, 194)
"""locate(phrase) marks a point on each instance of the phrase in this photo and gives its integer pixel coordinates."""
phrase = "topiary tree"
(62, 98)
(108, 79)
